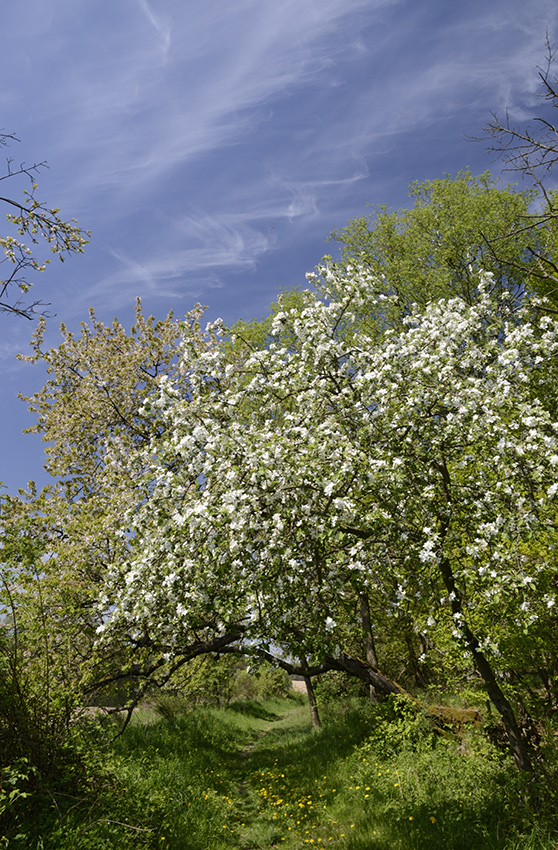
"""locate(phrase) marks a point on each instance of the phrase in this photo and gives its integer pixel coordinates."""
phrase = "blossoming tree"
(291, 479)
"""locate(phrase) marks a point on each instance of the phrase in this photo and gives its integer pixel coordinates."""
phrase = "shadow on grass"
(252, 709)
(311, 752)
(352, 797)
(190, 738)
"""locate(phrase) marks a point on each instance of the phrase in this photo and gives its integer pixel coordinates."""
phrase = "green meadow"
(256, 775)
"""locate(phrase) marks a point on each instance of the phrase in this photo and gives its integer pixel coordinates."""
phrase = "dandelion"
(432, 820)
(411, 817)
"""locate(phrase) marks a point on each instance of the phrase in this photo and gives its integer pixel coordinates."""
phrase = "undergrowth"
(255, 775)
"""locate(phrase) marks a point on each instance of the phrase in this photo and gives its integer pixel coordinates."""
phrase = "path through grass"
(353, 786)
(285, 798)
(255, 776)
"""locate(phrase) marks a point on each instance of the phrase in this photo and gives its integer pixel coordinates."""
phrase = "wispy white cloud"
(205, 140)
(8, 352)
(197, 247)
(235, 117)
(145, 117)
(214, 245)
(162, 25)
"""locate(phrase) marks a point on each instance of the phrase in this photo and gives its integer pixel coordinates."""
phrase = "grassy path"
(294, 788)
(257, 825)
(284, 796)
(254, 776)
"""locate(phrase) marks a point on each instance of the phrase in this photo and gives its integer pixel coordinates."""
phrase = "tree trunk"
(518, 745)
(420, 680)
(312, 702)
(371, 657)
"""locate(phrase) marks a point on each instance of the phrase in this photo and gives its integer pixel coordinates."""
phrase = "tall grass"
(166, 783)
(257, 776)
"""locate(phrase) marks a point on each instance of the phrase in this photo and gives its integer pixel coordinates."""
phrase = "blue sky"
(211, 146)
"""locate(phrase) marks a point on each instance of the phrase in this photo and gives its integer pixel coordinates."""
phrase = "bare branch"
(532, 152)
(34, 223)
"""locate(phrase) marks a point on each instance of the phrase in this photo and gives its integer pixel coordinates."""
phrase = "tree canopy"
(438, 247)
(290, 481)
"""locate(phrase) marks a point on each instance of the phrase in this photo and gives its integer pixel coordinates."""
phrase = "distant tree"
(438, 247)
(34, 222)
(89, 413)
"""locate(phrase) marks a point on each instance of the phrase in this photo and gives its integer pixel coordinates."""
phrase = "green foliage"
(399, 723)
(257, 333)
(217, 681)
(89, 413)
(279, 465)
(36, 697)
(265, 681)
(454, 231)
(207, 680)
(334, 685)
(375, 777)
(43, 752)
(161, 785)
(14, 790)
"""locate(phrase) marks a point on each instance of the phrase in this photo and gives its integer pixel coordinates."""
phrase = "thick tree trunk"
(346, 664)
(357, 667)
(314, 715)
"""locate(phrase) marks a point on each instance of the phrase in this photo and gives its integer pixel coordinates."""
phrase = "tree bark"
(518, 745)
(349, 664)
(370, 647)
(312, 702)
(420, 680)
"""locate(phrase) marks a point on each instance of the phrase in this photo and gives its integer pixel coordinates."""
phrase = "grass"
(342, 789)
(257, 776)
